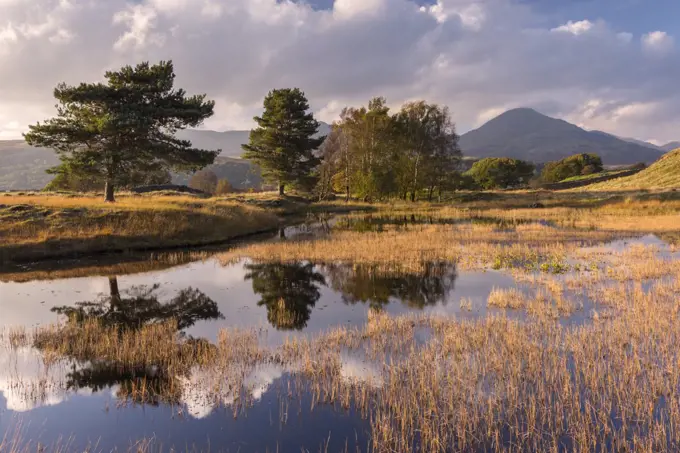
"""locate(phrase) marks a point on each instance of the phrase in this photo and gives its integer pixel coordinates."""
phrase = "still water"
(90, 406)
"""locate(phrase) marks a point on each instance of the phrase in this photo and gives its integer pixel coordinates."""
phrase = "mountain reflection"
(141, 306)
(289, 291)
(369, 285)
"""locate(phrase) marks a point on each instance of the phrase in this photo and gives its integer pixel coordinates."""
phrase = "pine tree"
(284, 142)
(128, 124)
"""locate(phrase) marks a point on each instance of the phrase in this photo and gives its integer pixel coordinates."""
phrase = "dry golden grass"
(469, 246)
(40, 226)
(481, 385)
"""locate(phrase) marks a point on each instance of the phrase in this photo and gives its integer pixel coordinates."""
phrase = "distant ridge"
(526, 134)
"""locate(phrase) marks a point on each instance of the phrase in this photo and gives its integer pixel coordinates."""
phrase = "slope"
(663, 174)
(526, 134)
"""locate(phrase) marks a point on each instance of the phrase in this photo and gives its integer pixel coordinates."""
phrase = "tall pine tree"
(284, 142)
(106, 131)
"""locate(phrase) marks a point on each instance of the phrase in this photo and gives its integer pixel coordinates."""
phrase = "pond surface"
(91, 407)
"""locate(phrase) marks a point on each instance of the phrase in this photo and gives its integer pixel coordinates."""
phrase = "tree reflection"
(134, 309)
(289, 291)
(141, 306)
(377, 288)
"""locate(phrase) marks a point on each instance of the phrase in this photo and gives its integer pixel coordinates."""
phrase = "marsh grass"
(490, 384)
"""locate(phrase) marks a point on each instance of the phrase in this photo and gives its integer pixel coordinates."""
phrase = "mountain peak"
(524, 133)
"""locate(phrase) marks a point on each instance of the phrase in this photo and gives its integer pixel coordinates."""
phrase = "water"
(89, 404)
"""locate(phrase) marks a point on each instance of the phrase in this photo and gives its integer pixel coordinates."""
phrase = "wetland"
(446, 330)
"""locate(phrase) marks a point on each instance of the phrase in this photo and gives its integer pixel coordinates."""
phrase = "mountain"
(229, 142)
(528, 135)
(642, 143)
(22, 167)
(670, 146)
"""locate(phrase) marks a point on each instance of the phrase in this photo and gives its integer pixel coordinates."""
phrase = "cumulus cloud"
(575, 28)
(476, 56)
(658, 41)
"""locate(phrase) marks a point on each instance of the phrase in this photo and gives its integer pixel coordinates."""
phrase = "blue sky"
(611, 65)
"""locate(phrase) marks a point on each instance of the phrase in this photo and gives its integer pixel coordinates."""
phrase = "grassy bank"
(40, 226)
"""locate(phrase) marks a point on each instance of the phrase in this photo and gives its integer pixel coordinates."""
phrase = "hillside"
(670, 146)
(22, 167)
(528, 135)
(229, 142)
(663, 174)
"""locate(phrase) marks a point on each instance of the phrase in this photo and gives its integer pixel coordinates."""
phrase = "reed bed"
(471, 247)
(492, 384)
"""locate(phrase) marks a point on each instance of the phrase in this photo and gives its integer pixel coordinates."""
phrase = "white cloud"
(575, 28)
(475, 56)
(658, 41)
(471, 14)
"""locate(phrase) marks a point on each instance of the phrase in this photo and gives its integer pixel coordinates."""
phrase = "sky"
(611, 65)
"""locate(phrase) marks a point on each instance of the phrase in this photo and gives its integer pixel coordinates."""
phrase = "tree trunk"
(413, 196)
(429, 195)
(281, 189)
(440, 194)
(282, 233)
(347, 194)
(114, 292)
(108, 192)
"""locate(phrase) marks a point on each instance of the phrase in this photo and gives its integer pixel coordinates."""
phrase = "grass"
(489, 384)
(535, 384)
(663, 174)
(39, 226)
(594, 175)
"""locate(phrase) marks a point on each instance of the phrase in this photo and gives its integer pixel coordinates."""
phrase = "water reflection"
(378, 223)
(133, 309)
(141, 305)
(289, 291)
(370, 285)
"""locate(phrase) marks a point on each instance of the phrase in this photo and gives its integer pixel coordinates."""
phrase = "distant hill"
(663, 174)
(229, 142)
(22, 167)
(526, 134)
(670, 146)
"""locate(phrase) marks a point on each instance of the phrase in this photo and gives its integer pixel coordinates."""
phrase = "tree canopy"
(576, 165)
(501, 172)
(106, 131)
(371, 153)
(284, 142)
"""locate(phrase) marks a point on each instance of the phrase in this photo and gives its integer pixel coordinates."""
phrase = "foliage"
(288, 291)
(501, 172)
(223, 187)
(69, 179)
(371, 154)
(284, 142)
(128, 124)
(576, 165)
(204, 180)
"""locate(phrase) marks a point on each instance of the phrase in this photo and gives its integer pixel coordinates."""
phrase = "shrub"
(576, 165)
(501, 172)
(223, 187)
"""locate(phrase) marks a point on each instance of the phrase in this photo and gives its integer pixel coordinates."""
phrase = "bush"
(223, 187)
(501, 172)
(204, 180)
(576, 165)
